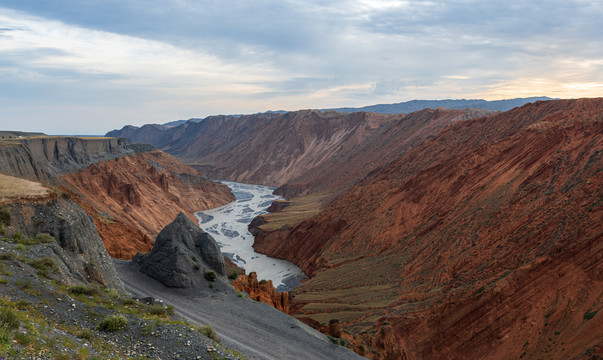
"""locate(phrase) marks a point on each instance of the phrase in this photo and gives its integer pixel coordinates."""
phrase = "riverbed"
(228, 225)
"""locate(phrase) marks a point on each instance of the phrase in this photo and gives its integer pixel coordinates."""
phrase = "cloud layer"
(69, 66)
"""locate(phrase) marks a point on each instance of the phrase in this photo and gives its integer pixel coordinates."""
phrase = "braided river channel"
(228, 225)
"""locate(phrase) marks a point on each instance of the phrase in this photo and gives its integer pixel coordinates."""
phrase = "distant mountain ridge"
(413, 105)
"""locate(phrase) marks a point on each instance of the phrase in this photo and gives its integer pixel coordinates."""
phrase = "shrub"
(589, 314)
(112, 323)
(43, 265)
(44, 238)
(4, 216)
(4, 336)
(170, 309)
(233, 276)
(22, 304)
(83, 290)
(263, 281)
(128, 301)
(23, 339)
(208, 331)
(17, 237)
(8, 319)
(24, 284)
(158, 310)
(86, 334)
(210, 276)
(9, 255)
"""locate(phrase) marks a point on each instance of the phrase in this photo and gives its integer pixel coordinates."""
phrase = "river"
(228, 225)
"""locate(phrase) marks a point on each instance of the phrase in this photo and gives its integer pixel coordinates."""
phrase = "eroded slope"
(133, 197)
(484, 240)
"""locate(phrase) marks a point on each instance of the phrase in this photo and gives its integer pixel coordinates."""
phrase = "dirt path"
(255, 329)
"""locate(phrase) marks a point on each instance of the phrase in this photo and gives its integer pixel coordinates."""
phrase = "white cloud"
(140, 61)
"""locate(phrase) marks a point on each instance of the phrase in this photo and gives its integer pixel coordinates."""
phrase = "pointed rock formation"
(181, 255)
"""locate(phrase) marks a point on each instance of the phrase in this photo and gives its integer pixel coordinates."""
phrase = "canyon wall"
(132, 198)
(44, 158)
(302, 151)
(481, 241)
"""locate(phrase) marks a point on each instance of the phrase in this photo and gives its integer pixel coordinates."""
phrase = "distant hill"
(7, 133)
(409, 106)
(180, 122)
(414, 105)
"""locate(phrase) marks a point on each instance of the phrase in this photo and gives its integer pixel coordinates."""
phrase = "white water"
(228, 225)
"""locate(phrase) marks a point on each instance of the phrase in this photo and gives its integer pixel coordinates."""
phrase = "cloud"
(171, 59)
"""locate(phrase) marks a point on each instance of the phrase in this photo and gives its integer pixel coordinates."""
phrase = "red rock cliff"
(482, 242)
(262, 291)
(133, 197)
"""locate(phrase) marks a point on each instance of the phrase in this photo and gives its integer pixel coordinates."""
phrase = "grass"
(210, 276)
(43, 265)
(18, 238)
(208, 331)
(112, 323)
(12, 187)
(9, 255)
(8, 319)
(299, 209)
(4, 216)
(86, 334)
(87, 290)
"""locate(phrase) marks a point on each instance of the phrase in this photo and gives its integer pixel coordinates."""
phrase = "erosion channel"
(228, 225)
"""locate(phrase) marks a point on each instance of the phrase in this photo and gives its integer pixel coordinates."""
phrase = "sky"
(87, 67)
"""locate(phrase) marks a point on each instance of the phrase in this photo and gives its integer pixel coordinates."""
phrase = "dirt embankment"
(483, 241)
(132, 198)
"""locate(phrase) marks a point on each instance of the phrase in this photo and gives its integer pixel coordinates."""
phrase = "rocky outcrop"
(78, 248)
(181, 255)
(481, 241)
(44, 158)
(133, 197)
(262, 291)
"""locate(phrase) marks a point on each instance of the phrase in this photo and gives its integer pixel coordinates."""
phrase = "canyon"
(58, 281)
(443, 233)
(130, 190)
(438, 234)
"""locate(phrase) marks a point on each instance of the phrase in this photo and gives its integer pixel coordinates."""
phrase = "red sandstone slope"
(133, 197)
(272, 149)
(483, 242)
(355, 160)
(304, 149)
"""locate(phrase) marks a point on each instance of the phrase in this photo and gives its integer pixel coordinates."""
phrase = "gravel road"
(256, 330)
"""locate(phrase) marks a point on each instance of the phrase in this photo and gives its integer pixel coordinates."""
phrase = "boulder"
(181, 255)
